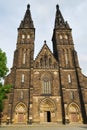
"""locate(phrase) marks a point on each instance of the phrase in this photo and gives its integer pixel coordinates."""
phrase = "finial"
(57, 7)
(45, 41)
(28, 6)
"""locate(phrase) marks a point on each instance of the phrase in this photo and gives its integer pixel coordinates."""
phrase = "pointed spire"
(59, 20)
(27, 22)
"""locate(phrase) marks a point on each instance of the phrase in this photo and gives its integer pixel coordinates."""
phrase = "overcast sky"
(43, 15)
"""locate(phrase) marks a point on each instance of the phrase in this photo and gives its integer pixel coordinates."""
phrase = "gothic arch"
(20, 114)
(47, 109)
(46, 74)
(47, 104)
(20, 107)
(74, 112)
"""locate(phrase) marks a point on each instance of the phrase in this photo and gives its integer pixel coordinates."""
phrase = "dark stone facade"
(50, 88)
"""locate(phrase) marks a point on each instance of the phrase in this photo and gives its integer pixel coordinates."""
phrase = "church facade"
(50, 88)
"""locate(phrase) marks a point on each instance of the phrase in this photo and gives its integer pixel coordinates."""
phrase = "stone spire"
(27, 22)
(59, 20)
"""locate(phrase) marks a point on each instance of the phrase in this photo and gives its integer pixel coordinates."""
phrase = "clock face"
(60, 36)
(66, 37)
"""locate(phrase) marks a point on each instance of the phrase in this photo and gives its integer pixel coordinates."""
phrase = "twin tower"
(51, 87)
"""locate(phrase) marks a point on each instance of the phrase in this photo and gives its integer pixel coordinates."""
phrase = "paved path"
(45, 127)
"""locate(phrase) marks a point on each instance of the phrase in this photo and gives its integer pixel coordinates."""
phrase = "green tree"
(4, 89)
(3, 63)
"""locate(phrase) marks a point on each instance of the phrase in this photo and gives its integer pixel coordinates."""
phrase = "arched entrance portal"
(74, 113)
(20, 115)
(47, 110)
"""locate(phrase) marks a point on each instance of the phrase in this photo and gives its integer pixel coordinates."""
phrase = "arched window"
(37, 64)
(46, 60)
(22, 78)
(22, 95)
(66, 58)
(24, 58)
(46, 86)
(23, 36)
(72, 95)
(69, 78)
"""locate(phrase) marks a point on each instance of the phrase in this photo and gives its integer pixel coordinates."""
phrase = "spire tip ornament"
(45, 41)
(57, 7)
(28, 6)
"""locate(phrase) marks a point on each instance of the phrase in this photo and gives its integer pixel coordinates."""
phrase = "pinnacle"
(28, 6)
(57, 7)
(45, 41)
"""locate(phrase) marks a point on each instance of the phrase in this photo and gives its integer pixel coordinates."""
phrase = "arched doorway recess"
(74, 113)
(47, 110)
(20, 115)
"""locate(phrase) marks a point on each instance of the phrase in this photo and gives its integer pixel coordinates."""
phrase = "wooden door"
(20, 117)
(74, 117)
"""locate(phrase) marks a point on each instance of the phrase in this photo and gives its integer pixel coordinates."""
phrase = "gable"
(45, 59)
